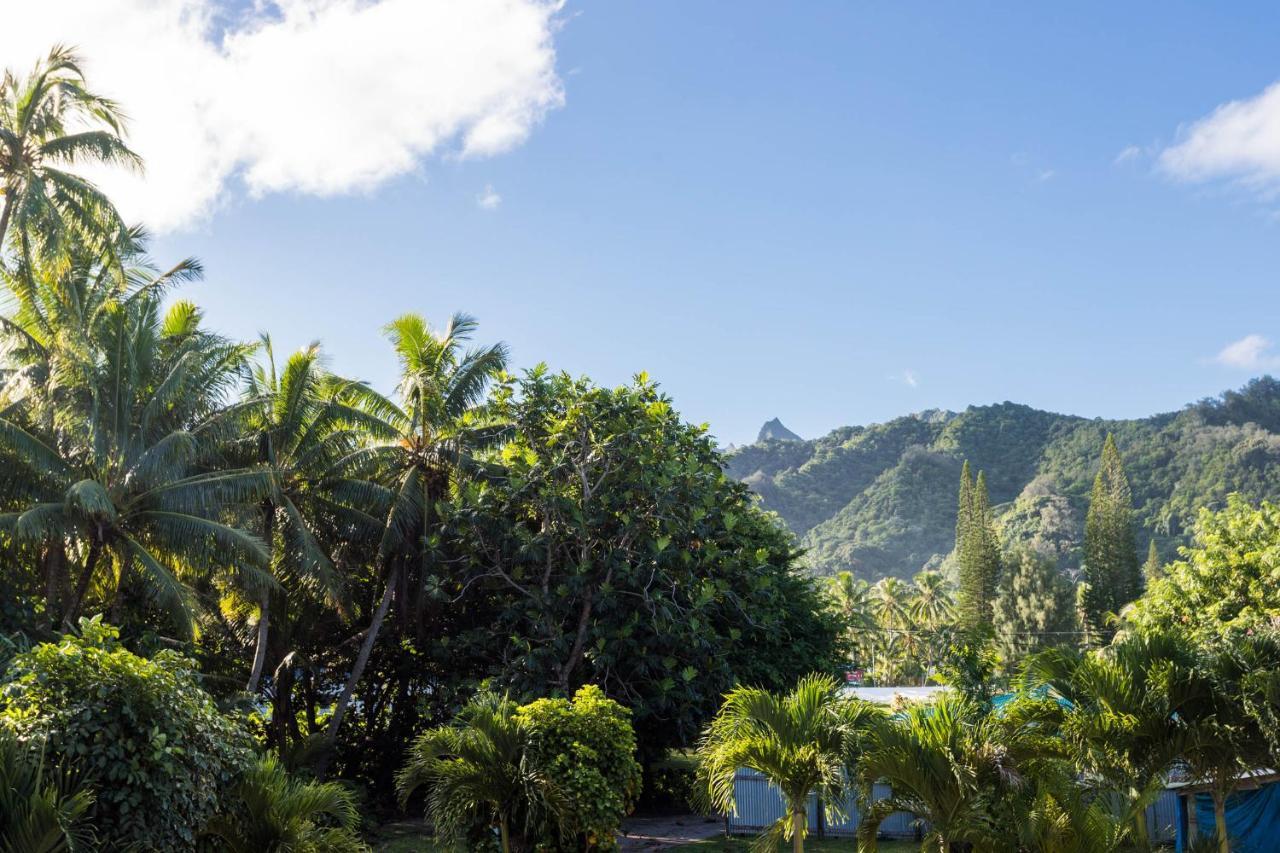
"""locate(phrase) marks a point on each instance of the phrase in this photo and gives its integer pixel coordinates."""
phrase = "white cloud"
(489, 199)
(1131, 152)
(1252, 352)
(320, 97)
(910, 378)
(1240, 140)
(1045, 175)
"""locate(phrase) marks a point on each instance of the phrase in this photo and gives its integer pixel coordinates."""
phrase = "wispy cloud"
(909, 377)
(1128, 154)
(489, 198)
(320, 97)
(1045, 175)
(1238, 141)
(1252, 352)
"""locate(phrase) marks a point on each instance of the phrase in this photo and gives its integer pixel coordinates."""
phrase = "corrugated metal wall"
(1162, 818)
(760, 804)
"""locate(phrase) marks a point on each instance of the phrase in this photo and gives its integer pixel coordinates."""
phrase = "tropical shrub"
(41, 810)
(477, 777)
(804, 742)
(272, 813)
(946, 763)
(587, 747)
(146, 738)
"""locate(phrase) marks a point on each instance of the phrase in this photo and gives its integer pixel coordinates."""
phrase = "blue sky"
(830, 212)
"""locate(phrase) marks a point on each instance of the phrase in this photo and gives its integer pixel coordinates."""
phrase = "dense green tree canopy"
(1228, 580)
(618, 552)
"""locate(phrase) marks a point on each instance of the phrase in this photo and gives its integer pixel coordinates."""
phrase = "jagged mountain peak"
(773, 430)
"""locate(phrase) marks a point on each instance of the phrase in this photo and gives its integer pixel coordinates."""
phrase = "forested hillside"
(881, 499)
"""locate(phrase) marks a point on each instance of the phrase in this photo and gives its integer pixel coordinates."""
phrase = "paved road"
(659, 833)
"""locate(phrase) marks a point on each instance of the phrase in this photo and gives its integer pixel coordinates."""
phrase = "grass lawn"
(816, 845)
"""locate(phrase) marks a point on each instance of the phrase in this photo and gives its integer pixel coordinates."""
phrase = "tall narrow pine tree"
(1151, 569)
(977, 551)
(1110, 551)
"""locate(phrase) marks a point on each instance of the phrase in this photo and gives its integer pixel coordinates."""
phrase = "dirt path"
(659, 833)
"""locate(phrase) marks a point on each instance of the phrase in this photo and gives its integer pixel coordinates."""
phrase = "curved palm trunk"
(362, 660)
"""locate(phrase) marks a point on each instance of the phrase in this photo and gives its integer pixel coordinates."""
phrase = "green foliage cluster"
(1228, 581)
(587, 746)
(553, 775)
(144, 736)
(880, 500)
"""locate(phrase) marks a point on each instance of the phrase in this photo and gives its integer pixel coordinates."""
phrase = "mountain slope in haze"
(881, 499)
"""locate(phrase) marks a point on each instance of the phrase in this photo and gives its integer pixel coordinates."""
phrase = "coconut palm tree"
(298, 424)
(50, 120)
(475, 773)
(945, 762)
(40, 812)
(277, 814)
(851, 599)
(422, 441)
(932, 610)
(107, 458)
(803, 742)
(931, 605)
(891, 604)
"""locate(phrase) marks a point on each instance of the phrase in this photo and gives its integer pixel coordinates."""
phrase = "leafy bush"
(145, 737)
(587, 746)
(40, 810)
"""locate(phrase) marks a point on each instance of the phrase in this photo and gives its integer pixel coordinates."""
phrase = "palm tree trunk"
(264, 604)
(54, 560)
(362, 660)
(1220, 821)
(799, 820)
(260, 652)
(76, 604)
(506, 835)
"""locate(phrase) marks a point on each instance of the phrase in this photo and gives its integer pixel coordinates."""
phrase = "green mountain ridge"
(881, 499)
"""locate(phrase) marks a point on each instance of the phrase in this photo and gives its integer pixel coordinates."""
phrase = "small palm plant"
(39, 811)
(475, 773)
(803, 742)
(944, 762)
(276, 814)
